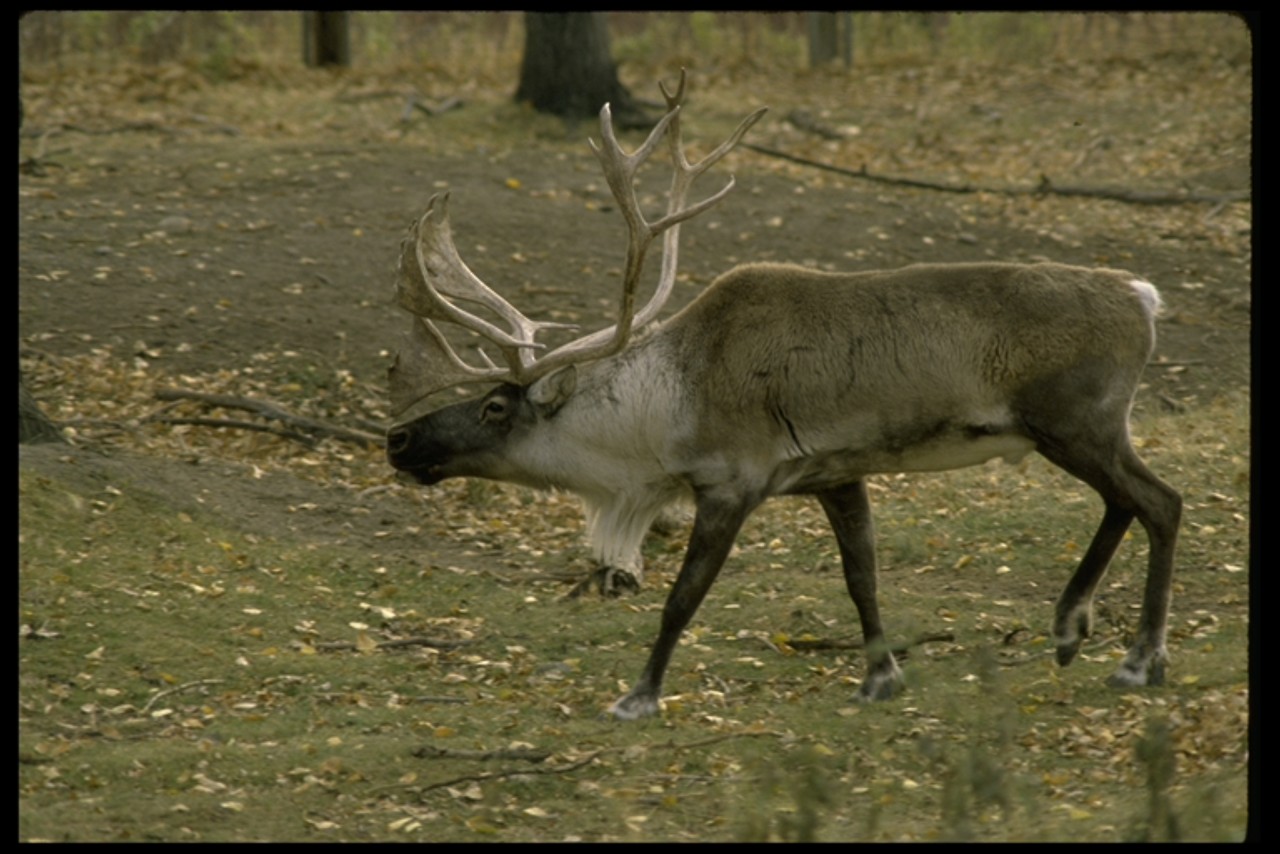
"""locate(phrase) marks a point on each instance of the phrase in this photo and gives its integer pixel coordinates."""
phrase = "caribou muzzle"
(410, 459)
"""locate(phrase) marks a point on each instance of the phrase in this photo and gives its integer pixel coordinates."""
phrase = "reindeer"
(782, 380)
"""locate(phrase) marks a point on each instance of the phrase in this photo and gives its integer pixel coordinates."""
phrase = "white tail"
(783, 380)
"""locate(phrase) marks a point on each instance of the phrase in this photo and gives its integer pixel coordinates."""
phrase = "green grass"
(174, 682)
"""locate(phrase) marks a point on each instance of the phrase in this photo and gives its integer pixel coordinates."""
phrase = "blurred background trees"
(567, 67)
(326, 38)
(491, 46)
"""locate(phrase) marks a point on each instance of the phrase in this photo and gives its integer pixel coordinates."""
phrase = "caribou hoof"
(1070, 629)
(608, 581)
(881, 685)
(1066, 652)
(633, 707)
(1138, 670)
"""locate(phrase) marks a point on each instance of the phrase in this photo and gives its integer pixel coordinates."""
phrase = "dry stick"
(527, 754)
(174, 690)
(1137, 197)
(233, 424)
(1178, 363)
(424, 698)
(414, 102)
(273, 412)
(143, 126)
(333, 646)
(828, 643)
(513, 772)
(330, 696)
(726, 736)
(1028, 658)
(825, 643)
(573, 766)
(805, 121)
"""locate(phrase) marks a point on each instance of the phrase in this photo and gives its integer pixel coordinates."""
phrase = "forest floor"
(240, 239)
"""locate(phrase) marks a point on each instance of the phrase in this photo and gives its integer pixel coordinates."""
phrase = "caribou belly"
(951, 450)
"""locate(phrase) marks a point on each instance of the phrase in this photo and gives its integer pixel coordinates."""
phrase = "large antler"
(433, 279)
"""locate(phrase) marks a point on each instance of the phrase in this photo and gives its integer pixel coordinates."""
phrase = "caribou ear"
(549, 393)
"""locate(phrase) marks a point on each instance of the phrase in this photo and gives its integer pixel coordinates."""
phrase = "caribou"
(784, 380)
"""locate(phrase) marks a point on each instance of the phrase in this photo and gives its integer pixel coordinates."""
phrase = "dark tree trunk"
(326, 38)
(568, 69)
(830, 36)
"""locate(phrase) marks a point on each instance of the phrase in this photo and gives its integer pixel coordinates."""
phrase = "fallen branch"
(1045, 187)
(526, 754)
(423, 698)
(804, 120)
(36, 163)
(174, 690)
(724, 736)
(533, 755)
(343, 696)
(1028, 658)
(901, 647)
(139, 126)
(395, 643)
(414, 102)
(272, 412)
(236, 425)
(513, 772)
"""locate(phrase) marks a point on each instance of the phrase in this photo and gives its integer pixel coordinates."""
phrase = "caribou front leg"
(715, 525)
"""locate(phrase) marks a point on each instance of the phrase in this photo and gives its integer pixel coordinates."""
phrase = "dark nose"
(397, 440)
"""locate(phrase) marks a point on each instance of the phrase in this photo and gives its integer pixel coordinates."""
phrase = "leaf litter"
(106, 395)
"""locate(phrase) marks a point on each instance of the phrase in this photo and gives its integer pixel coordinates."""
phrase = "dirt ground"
(183, 251)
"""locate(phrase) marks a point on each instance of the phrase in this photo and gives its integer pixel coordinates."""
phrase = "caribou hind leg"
(617, 526)
(849, 511)
(1129, 490)
(607, 581)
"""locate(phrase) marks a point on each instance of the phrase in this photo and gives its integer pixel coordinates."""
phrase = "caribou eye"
(494, 408)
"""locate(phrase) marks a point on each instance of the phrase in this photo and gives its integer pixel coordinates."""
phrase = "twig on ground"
(833, 643)
(1045, 187)
(527, 754)
(236, 425)
(395, 643)
(186, 686)
(273, 412)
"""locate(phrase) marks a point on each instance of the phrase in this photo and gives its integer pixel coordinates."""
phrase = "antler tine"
(686, 173)
(426, 363)
(681, 182)
(433, 275)
(620, 169)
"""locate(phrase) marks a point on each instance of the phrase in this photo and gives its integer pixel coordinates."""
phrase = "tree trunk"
(326, 39)
(568, 70)
(830, 35)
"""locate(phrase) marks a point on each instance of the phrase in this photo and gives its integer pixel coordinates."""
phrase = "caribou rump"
(780, 380)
